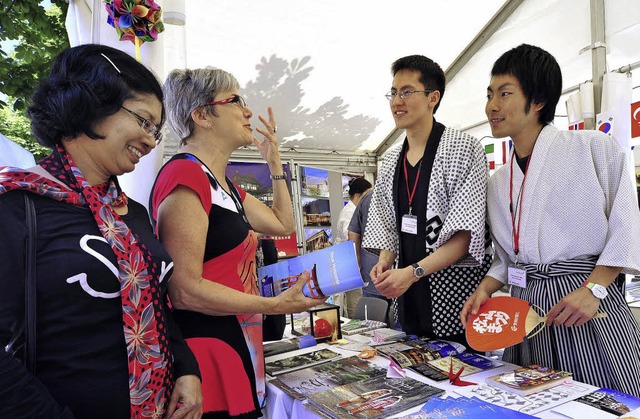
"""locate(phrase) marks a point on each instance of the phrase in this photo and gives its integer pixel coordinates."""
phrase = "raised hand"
(268, 147)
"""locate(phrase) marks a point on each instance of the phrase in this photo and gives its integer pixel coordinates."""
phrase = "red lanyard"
(406, 181)
(516, 231)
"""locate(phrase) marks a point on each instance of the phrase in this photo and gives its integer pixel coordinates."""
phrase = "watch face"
(599, 291)
(418, 271)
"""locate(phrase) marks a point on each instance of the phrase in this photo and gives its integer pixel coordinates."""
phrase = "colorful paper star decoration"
(137, 21)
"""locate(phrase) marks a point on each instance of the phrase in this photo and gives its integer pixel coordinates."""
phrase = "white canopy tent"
(14, 155)
(324, 65)
(588, 38)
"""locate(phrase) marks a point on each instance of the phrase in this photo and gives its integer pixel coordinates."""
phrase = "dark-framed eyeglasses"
(147, 126)
(405, 93)
(237, 99)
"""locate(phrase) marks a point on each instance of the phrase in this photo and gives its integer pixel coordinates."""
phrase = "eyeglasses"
(239, 100)
(147, 126)
(405, 93)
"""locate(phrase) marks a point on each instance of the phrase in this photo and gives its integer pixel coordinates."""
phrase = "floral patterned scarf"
(145, 331)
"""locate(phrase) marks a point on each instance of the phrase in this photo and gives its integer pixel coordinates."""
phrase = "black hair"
(539, 76)
(358, 185)
(86, 84)
(431, 74)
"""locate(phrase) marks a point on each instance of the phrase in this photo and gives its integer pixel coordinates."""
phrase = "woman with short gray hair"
(203, 216)
(187, 89)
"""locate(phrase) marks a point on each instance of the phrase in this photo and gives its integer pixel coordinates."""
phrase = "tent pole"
(95, 21)
(296, 199)
(598, 57)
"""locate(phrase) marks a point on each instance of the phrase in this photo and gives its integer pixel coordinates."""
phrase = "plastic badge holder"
(306, 341)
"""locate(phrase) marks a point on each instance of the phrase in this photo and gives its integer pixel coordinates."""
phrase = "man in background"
(358, 187)
(367, 257)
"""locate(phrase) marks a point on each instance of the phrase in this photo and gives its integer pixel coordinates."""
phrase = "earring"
(208, 126)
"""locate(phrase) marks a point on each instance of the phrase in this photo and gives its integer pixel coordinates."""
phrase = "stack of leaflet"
(384, 335)
(356, 326)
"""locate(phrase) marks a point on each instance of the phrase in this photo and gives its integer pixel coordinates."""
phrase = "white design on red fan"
(491, 322)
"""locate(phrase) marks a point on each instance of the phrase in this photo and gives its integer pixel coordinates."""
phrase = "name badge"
(517, 277)
(409, 224)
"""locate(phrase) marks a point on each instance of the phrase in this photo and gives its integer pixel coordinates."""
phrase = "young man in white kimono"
(564, 217)
(427, 212)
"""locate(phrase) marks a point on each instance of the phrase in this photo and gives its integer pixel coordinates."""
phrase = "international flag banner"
(506, 150)
(488, 149)
(577, 126)
(635, 120)
(605, 123)
(286, 245)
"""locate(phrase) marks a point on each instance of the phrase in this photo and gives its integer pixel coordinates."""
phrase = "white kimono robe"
(456, 200)
(578, 203)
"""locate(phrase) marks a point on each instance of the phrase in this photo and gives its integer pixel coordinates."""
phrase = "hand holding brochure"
(332, 270)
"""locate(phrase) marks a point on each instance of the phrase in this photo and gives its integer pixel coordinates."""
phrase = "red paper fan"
(501, 322)
(505, 321)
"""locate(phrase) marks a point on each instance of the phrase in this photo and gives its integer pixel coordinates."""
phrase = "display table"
(281, 405)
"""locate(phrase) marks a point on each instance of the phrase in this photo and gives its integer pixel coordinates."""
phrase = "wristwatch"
(598, 290)
(418, 271)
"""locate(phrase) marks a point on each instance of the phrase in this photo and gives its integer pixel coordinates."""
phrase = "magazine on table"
(434, 358)
(302, 383)
(529, 380)
(299, 361)
(332, 270)
(603, 403)
(377, 397)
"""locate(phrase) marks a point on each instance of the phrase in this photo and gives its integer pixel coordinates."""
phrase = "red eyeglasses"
(233, 99)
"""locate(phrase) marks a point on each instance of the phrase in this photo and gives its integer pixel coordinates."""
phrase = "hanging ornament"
(137, 21)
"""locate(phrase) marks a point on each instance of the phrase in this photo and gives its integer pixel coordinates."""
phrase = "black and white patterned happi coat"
(456, 201)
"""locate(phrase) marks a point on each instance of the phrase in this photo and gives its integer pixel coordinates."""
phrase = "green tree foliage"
(30, 37)
(15, 126)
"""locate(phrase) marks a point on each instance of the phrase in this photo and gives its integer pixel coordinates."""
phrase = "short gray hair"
(186, 90)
